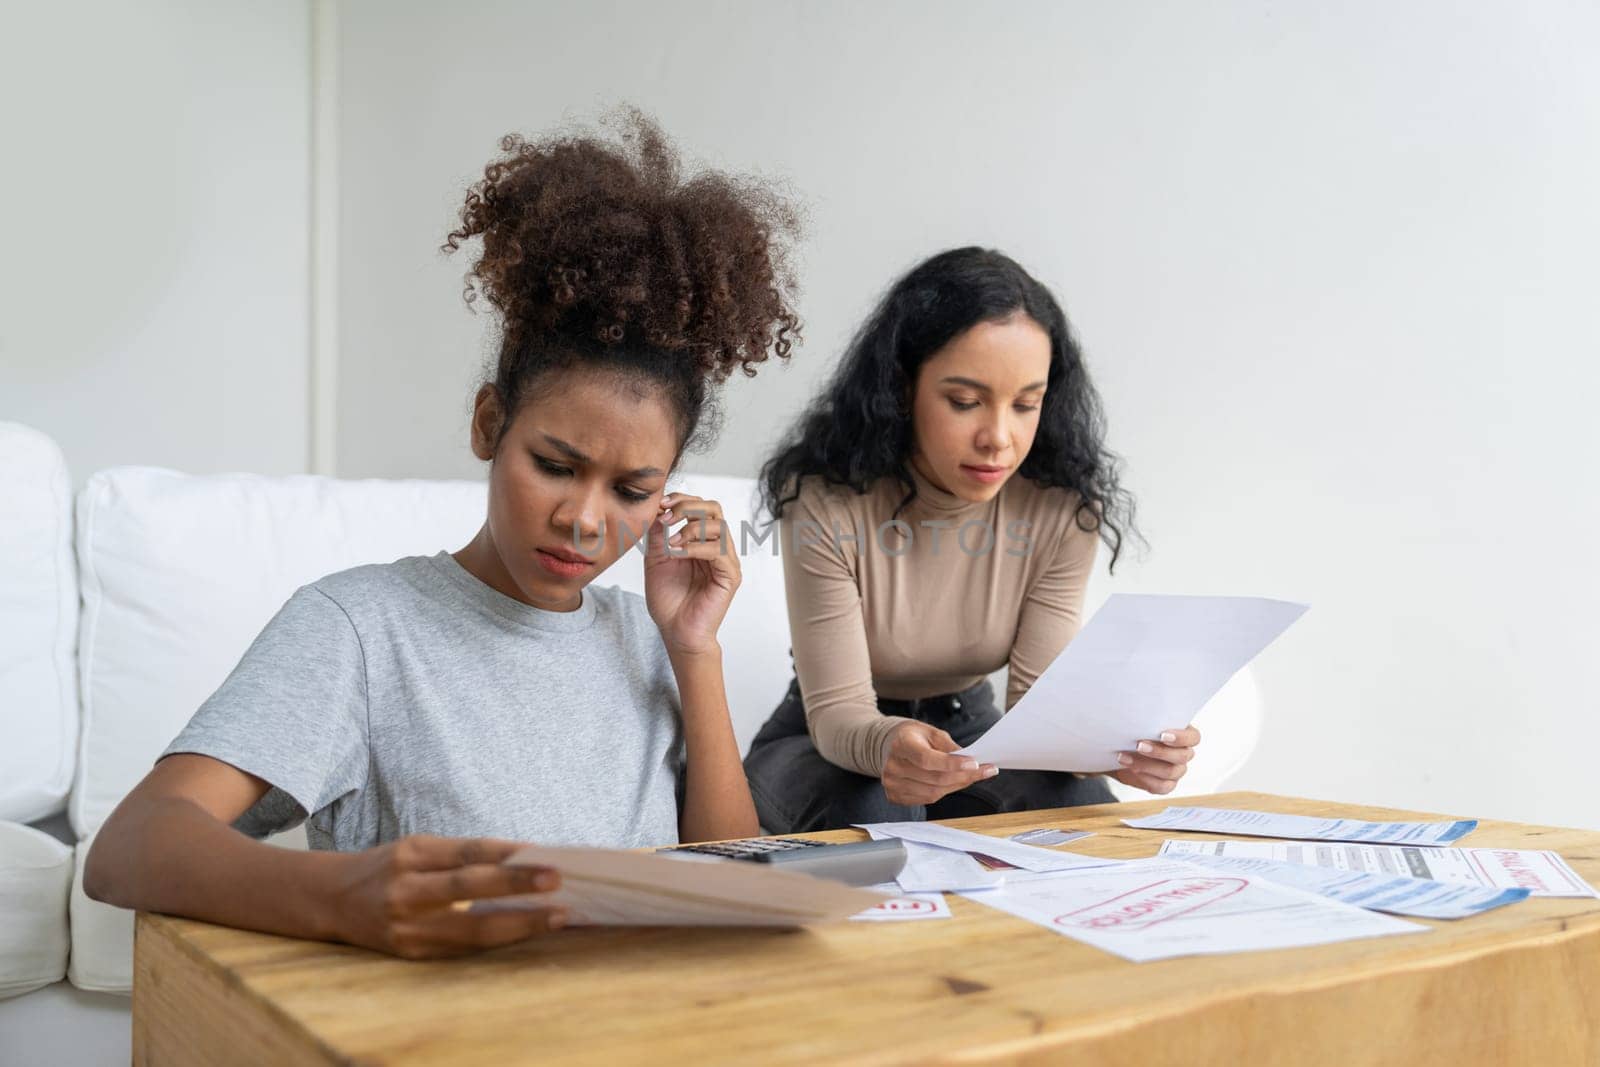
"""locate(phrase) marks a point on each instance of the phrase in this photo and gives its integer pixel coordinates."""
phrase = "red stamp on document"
(905, 906)
(1152, 904)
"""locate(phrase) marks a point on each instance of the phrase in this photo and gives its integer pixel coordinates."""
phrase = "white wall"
(155, 189)
(154, 184)
(1334, 266)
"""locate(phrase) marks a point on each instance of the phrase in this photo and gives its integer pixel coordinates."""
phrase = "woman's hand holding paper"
(919, 767)
(1157, 765)
(410, 898)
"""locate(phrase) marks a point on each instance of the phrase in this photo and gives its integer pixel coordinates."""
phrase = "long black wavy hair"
(859, 429)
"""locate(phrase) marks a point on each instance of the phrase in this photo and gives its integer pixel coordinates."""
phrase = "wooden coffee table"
(1519, 985)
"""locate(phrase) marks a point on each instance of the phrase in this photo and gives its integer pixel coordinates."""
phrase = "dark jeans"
(797, 791)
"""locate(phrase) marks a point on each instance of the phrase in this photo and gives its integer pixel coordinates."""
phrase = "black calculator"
(854, 863)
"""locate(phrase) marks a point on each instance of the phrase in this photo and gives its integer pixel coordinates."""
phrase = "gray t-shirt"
(410, 697)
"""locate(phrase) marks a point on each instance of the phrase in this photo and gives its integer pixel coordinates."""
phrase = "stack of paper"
(1137, 909)
(1228, 896)
(604, 887)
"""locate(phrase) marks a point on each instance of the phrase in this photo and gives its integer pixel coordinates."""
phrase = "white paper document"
(1156, 909)
(1144, 664)
(1271, 824)
(902, 906)
(1046, 836)
(606, 887)
(1541, 873)
(1395, 894)
(1026, 857)
(936, 870)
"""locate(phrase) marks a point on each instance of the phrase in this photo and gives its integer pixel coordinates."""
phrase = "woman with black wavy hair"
(941, 506)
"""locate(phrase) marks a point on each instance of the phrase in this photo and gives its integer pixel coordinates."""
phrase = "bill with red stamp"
(1156, 909)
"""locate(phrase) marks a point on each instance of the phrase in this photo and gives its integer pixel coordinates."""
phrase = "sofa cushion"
(102, 937)
(179, 573)
(38, 626)
(35, 874)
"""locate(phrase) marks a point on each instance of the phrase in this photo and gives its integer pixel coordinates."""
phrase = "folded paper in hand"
(607, 887)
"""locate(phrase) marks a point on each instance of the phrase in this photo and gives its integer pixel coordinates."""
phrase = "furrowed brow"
(566, 450)
(578, 456)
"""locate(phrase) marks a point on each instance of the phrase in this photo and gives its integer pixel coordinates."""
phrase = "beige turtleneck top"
(917, 608)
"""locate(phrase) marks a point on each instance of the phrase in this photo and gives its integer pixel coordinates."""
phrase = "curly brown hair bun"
(599, 252)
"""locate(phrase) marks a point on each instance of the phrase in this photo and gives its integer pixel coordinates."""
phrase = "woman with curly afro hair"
(941, 505)
(424, 716)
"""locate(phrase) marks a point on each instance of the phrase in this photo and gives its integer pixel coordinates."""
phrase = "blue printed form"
(1541, 872)
(1304, 827)
(1375, 892)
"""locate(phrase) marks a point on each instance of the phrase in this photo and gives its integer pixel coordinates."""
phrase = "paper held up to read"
(1144, 664)
(605, 887)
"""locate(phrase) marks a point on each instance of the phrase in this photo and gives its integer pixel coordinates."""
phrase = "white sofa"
(120, 615)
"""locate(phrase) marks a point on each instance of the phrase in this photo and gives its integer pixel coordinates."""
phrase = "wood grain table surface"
(1518, 985)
